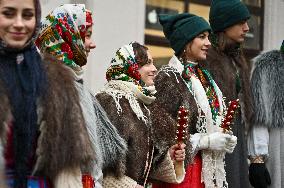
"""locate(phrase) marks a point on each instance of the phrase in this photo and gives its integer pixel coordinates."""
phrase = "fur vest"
(130, 128)
(267, 84)
(63, 143)
(126, 107)
(231, 73)
(172, 92)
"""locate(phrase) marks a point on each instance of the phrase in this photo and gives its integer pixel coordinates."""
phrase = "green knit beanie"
(180, 29)
(225, 13)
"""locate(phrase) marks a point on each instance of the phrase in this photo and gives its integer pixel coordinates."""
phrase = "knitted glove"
(215, 141)
(259, 176)
(231, 144)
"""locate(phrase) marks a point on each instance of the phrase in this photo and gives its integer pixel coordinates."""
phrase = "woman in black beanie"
(184, 83)
(226, 63)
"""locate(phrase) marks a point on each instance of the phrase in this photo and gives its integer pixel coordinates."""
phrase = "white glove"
(232, 142)
(218, 141)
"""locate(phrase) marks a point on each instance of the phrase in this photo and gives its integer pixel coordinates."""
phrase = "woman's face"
(148, 71)
(17, 22)
(89, 44)
(197, 49)
(238, 31)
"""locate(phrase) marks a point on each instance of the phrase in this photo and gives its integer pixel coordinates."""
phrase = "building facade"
(119, 22)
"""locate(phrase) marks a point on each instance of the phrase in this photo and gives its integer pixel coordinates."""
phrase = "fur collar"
(61, 115)
(268, 89)
(212, 161)
(118, 89)
(62, 127)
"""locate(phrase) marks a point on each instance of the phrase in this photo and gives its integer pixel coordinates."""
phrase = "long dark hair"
(140, 52)
(225, 45)
(23, 75)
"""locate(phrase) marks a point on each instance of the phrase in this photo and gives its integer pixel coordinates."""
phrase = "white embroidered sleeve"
(258, 141)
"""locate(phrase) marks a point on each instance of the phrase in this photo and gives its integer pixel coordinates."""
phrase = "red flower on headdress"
(133, 71)
(58, 29)
(67, 36)
(66, 48)
(89, 19)
(82, 30)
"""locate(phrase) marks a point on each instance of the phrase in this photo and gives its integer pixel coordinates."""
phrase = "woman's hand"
(177, 152)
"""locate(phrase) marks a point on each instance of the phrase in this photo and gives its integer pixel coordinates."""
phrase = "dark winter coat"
(135, 132)
(172, 92)
(63, 142)
(231, 73)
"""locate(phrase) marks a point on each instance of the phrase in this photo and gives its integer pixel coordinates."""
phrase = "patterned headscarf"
(89, 19)
(63, 34)
(124, 66)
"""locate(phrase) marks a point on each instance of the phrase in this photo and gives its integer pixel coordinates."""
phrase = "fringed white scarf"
(213, 171)
(118, 89)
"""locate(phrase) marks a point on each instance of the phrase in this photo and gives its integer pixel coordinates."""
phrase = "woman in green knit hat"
(226, 63)
(184, 83)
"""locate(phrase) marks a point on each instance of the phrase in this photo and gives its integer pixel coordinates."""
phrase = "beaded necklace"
(207, 83)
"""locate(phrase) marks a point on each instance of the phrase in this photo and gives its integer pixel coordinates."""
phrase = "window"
(159, 46)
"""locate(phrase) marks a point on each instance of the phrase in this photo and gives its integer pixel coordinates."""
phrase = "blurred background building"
(117, 22)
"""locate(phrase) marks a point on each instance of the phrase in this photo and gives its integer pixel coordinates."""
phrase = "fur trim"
(224, 70)
(2, 166)
(172, 92)
(69, 179)
(63, 142)
(112, 144)
(118, 89)
(268, 89)
(88, 110)
(4, 113)
(169, 172)
(122, 182)
(135, 132)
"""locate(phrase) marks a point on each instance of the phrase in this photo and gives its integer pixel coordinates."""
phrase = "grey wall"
(273, 24)
(115, 23)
